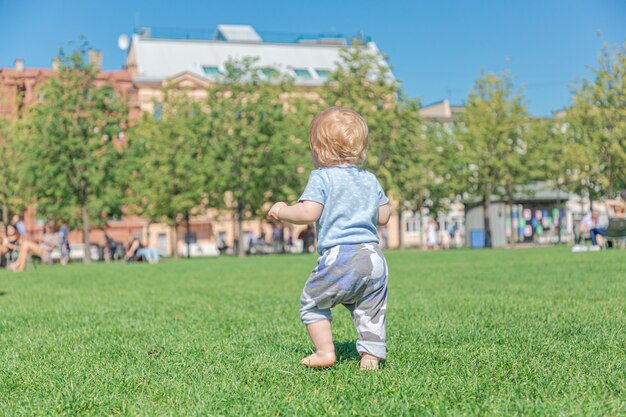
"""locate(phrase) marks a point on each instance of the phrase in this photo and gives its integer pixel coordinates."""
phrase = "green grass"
(506, 332)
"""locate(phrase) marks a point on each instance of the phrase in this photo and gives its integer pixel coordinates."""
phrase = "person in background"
(309, 237)
(432, 238)
(64, 233)
(18, 221)
(277, 238)
(587, 223)
(452, 233)
(3, 248)
(290, 240)
(50, 241)
(138, 251)
(222, 246)
(615, 210)
(16, 242)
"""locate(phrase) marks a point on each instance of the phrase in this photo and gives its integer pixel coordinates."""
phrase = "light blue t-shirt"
(351, 197)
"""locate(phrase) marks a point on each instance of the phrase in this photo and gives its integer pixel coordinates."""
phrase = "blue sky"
(437, 48)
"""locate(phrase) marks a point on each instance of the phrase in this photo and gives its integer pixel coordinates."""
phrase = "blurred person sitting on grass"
(137, 251)
(18, 222)
(16, 242)
(347, 203)
(3, 245)
(615, 210)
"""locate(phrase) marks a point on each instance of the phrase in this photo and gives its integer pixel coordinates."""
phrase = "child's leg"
(322, 338)
(318, 296)
(369, 319)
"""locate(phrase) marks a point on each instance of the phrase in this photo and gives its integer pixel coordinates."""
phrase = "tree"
(595, 128)
(70, 147)
(399, 142)
(11, 177)
(257, 140)
(167, 163)
(492, 135)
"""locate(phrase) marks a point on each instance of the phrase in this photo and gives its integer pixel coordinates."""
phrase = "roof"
(536, 192)
(440, 110)
(157, 59)
(237, 33)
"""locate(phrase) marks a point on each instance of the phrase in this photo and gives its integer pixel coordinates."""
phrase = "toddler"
(347, 203)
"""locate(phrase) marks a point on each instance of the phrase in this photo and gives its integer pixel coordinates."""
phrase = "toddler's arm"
(304, 212)
(383, 214)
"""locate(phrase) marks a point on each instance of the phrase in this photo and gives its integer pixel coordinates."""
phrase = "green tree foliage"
(546, 152)
(168, 163)
(11, 176)
(595, 128)
(493, 142)
(257, 128)
(70, 146)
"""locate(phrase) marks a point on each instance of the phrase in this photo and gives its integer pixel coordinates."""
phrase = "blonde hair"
(338, 136)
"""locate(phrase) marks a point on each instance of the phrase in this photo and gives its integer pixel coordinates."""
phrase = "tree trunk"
(235, 250)
(240, 248)
(86, 245)
(558, 207)
(282, 238)
(609, 176)
(188, 236)
(400, 236)
(509, 194)
(486, 216)
(423, 230)
(5, 214)
(175, 244)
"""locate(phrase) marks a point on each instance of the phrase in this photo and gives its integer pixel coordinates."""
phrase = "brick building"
(19, 89)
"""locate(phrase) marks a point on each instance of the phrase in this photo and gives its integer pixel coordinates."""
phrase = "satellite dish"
(123, 42)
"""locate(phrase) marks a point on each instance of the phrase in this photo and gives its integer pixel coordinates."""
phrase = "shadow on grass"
(346, 351)
(3, 293)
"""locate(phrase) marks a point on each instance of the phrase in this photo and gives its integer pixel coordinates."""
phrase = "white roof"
(157, 59)
(237, 33)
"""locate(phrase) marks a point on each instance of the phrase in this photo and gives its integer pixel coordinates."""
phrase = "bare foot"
(369, 362)
(319, 360)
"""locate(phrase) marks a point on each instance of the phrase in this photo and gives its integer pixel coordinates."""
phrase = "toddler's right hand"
(273, 213)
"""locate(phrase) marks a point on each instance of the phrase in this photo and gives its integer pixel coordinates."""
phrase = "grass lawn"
(500, 332)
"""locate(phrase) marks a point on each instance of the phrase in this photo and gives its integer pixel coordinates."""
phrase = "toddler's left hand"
(273, 213)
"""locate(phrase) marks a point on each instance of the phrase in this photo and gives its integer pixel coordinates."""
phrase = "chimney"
(94, 57)
(55, 63)
(19, 64)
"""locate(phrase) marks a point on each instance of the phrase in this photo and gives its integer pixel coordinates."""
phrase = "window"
(209, 70)
(191, 237)
(158, 111)
(269, 72)
(302, 73)
(411, 223)
(322, 73)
